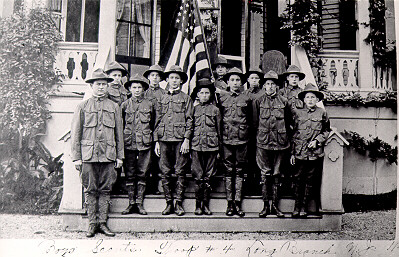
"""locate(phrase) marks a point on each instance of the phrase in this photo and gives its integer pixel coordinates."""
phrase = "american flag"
(186, 45)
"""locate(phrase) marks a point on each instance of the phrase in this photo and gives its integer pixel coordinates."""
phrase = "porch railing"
(75, 61)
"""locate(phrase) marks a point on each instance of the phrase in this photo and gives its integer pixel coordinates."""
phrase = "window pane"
(74, 11)
(91, 22)
(122, 39)
(231, 27)
(208, 3)
(140, 41)
(55, 5)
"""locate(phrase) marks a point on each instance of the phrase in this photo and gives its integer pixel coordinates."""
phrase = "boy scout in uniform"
(271, 115)
(116, 91)
(292, 76)
(311, 130)
(174, 126)
(220, 67)
(139, 114)
(254, 83)
(154, 93)
(97, 149)
(236, 112)
(205, 143)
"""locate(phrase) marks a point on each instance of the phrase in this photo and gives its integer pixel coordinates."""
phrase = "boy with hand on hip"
(236, 110)
(205, 143)
(139, 114)
(310, 132)
(272, 120)
(97, 149)
(174, 127)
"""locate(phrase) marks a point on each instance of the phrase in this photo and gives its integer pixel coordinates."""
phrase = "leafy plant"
(28, 173)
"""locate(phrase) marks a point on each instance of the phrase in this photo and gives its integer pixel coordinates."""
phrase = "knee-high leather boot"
(198, 197)
(205, 200)
(140, 198)
(168, 197)
(229, 196)
(179, 211)
(104, 202)
(238, 196)
(131, 208)
(266, 209)
(275, 199)
(91, 203)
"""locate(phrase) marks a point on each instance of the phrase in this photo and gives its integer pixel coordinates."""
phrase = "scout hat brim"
(182, 75)
(99, 74)
(235, 71)
(200, 86)
(90, 81)
(116, 66)
(225, 64)
(319, 95)
(293, 69)
(137, 79)
(155, 68)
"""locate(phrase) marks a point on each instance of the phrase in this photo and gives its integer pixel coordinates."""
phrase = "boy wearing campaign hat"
(292, 77)
(205, 143)
(236, 112)
(174, 127)
(310, 133)
(254, 82)
(116, 91)
(139, 114)
(97, 149)
(272, 120)
(220, 67)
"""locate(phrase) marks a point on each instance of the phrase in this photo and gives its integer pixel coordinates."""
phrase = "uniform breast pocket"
(178, 105)
(109, 118)
(145, 115)
(164, 106)
(242, 109)
(90, 119)
(264, 112)
(129, 118)
(316, 123)
(197, 119)
(279, 111)
(210, 120)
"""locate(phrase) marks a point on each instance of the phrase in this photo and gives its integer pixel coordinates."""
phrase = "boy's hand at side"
(118, 164)
(292, 160)
(78, 165)
(157, 149)
(185, 147)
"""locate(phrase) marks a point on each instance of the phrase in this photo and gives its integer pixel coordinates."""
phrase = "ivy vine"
(375, 147)
(355, 99)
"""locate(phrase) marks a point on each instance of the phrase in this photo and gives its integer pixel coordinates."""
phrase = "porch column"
(396, 14)
(106, 33)
(365, 52)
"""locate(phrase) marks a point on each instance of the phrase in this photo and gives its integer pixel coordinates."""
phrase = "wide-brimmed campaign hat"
(271, 75)
(137, 78)
(220, 60)
(293, 69)
(313, 89)
(203, 83)
(155, 68)
(115, 66)
(177, 69)
(235, 71)
(99, 74)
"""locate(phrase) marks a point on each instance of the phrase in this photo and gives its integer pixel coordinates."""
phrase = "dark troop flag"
(186, 45)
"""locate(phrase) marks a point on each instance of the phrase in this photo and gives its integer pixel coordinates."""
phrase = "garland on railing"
(354, 99)
(376, 148)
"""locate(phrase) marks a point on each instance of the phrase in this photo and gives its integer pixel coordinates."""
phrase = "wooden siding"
(330, 24)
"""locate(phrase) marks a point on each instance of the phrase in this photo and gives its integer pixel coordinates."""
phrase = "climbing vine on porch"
(375, 148)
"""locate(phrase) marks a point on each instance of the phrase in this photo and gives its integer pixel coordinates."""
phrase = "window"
(55, 6)
(134, 32)
(82, 20)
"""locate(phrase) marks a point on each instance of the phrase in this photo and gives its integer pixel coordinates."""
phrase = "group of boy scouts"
(220, 118)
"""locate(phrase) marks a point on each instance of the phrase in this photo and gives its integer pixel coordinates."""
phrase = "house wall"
(330, 24)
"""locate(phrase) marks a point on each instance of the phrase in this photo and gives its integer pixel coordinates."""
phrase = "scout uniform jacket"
(97, 131)
(154, 94)
(207, 133)
(117, 93)
(291, 93)
(272, 118)
(254, 93)
(309, 125)
(174, 118)
(236, 111)
(139, 116)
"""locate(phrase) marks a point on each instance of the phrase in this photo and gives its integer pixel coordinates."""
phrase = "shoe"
(265, 211)
(92, 230)
(239, 211)
(303, 213)
(230, 208)
(169, 208)
(140, 209)
(179, 211)
(131, 208)
(105, 230)
(275, 210)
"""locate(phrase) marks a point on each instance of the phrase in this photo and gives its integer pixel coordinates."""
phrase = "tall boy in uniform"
(174, 127)
(117, 93)
(154, 93)
(272, 119)
(97, 149)
(139, 114)
(116, 90)
(205, 143)
(220, 66)
(236, 112)
(311, 130)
